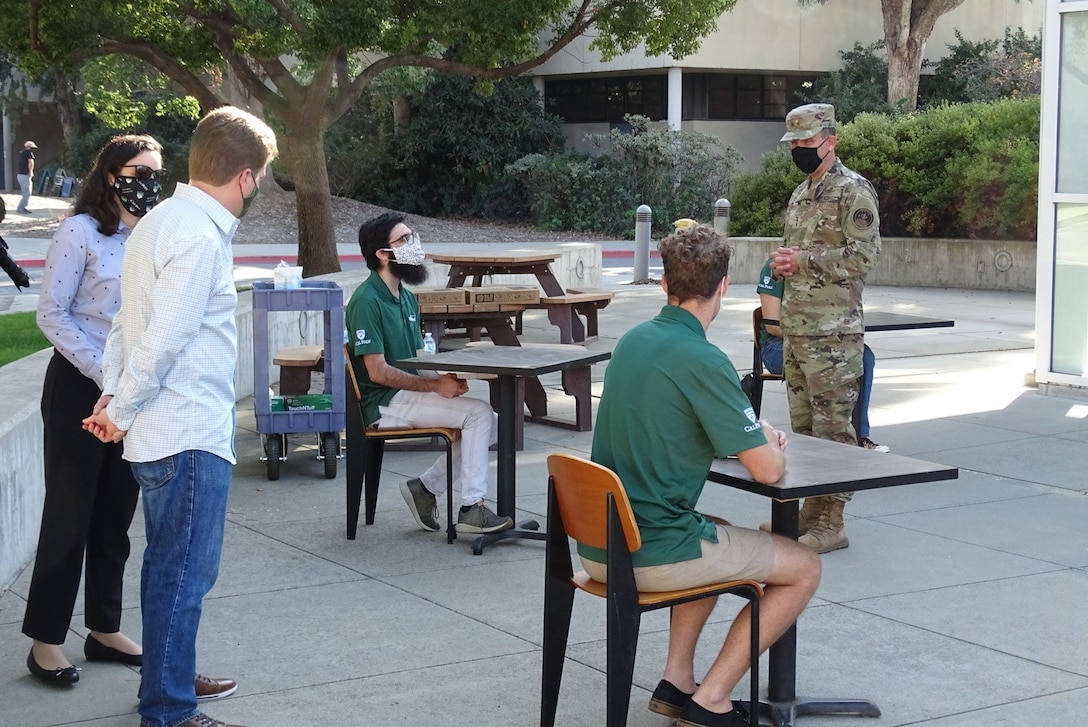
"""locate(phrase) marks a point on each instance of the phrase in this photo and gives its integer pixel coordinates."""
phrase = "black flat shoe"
(95, 650)
(63, 677)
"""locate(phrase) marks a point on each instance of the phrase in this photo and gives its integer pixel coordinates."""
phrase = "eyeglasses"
(405, 238)
(144, 173)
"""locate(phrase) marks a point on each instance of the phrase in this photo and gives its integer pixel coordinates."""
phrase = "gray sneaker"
(422, 503)
(479, 519)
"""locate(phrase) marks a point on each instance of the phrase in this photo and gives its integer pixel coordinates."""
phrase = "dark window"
(606, 99)
(740, 96)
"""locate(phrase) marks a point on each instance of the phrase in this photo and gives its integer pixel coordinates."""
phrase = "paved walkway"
(958, 604)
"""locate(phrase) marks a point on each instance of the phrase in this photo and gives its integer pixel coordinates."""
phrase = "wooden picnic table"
(476, 264)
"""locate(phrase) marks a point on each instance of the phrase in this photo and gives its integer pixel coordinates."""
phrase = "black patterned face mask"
(137, 195)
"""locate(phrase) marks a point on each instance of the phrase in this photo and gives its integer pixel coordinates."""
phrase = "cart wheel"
(330, 450)
(273, 450)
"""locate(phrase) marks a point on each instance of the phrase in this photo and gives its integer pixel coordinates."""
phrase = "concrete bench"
(566, 312)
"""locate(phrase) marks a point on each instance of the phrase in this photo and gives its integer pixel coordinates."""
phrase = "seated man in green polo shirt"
(661, 421)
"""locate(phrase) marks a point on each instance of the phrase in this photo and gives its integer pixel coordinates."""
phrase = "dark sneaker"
(422, 503)
(200, 720)
(668, 700)
(479, 519)
(866, 443)
(695, 715)
(208, 688)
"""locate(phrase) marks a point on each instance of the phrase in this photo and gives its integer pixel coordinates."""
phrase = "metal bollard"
(721, 217)
(643, 218)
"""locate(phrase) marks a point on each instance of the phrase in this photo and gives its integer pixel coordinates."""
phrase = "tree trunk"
(68, 106)
(904, 69)
(907, 27)
(303, 151)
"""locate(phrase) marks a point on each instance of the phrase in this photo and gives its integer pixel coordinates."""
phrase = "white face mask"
(410, 253)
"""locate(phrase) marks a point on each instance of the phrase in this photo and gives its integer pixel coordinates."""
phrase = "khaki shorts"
(739, 554)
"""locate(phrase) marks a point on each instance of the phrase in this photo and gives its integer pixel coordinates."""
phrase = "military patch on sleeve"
(863, 219)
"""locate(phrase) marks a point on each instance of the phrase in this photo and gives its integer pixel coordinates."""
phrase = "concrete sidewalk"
(958, 604)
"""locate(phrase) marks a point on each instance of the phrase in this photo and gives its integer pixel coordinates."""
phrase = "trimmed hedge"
(955, 171)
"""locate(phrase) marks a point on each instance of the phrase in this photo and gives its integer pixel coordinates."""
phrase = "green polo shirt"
(671, 403)
(378, 322)
(767, 284)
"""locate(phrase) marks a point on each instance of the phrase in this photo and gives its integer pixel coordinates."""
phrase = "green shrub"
(677, 173)
(759, 199)
(958, 170)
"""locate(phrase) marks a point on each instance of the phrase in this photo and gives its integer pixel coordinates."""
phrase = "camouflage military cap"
(805, 122)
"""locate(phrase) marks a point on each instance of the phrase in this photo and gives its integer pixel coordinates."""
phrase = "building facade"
(744, 78)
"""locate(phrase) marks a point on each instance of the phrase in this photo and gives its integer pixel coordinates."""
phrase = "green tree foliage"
(306, 62)
(859, 86)
(985, 70)
(957, 170)
(458, 143)
(677, 173)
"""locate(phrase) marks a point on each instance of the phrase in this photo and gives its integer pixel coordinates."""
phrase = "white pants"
(479, 430)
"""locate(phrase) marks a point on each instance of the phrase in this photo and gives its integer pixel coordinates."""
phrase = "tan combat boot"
(830, 533)
(808, 517)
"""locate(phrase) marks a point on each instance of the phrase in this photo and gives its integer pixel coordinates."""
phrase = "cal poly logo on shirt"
(412, 317)
(360, 337)
(751, 414)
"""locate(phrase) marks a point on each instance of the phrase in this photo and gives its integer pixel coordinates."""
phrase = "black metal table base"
(525, 530)
(785, 714)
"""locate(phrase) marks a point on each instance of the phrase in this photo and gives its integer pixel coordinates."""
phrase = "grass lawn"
(19, 336)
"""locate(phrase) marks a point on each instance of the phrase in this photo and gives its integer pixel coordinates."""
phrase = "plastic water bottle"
(429, 346)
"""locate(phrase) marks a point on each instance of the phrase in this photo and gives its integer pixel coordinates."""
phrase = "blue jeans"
(185, 506)
(24, 187)
(771, 353)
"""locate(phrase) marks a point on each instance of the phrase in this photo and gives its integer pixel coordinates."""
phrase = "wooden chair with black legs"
(759, 374)
(587, 502)
(365, 447)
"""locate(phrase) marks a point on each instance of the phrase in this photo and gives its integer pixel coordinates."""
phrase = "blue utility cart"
(320, 413)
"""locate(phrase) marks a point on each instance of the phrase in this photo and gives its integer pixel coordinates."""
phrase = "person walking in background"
(25, 174)
(660, 423)
(832, 240)
(168, 391)
(384, 326)
(90, 493)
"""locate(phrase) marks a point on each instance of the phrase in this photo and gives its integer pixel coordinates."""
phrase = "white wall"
(777, 35)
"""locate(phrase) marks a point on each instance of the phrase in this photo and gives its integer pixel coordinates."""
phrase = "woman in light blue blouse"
(90, 494)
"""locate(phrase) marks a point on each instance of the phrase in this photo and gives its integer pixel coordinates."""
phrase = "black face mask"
(807, 158)
(137, 195)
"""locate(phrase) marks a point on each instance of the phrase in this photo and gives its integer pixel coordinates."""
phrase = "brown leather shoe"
(208, 688)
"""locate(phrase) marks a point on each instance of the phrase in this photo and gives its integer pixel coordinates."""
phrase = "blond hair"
(695, 261)
(228, 141)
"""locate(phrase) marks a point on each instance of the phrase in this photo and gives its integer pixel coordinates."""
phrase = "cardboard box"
(528, 294)
(439, 296)
(302, 402)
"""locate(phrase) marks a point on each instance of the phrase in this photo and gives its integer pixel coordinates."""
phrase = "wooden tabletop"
(821, 467)
(491, 257)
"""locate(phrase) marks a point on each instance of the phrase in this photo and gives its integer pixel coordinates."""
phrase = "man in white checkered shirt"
(168, 391)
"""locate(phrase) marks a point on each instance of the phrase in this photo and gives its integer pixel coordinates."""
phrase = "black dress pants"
(90, 497)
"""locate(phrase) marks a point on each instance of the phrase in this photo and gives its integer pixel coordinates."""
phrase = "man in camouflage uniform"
(832, 239)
